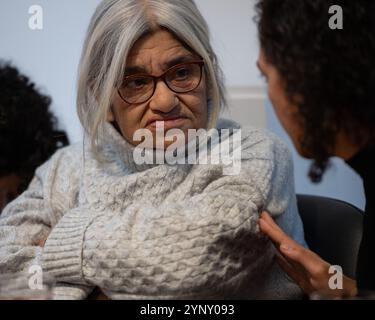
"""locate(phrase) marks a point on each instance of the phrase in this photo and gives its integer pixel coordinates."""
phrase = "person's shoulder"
(60, 178)
(64, 160)
(263, 144)
(73, 151)
(257, 142)
(69, 156)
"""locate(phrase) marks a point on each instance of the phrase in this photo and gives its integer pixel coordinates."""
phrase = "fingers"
(301, 258)
(284, 244)
(300, 278)
(266, 216)
(274, 232)
(305, 267)
(308, 260)
(289, 270)
(295, 257)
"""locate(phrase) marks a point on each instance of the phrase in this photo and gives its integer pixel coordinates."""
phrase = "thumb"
(307, 259)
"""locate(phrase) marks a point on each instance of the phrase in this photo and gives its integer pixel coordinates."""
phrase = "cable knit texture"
(155, 231)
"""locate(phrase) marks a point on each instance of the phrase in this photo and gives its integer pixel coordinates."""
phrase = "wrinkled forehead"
(157, 51)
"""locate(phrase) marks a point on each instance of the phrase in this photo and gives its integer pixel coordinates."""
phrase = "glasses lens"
(137, 89)
(185, 77)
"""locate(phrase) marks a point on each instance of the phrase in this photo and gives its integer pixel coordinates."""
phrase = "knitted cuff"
(65, 291)
(62, 253)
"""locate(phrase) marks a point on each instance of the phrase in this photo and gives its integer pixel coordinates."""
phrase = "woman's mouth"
(167, 123)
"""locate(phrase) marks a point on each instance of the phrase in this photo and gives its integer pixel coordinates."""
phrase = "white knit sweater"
(158, 232)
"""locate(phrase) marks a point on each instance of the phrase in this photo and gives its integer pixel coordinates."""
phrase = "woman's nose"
(164, 99)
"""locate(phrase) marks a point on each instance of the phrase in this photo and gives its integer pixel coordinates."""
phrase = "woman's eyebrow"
(169, 64)
(134, 70)
(179, 59)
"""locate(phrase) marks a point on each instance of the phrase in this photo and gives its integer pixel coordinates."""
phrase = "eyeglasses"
(181, 78)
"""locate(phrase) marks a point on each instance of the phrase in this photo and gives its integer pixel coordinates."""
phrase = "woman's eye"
(136, 84)
(182, 73)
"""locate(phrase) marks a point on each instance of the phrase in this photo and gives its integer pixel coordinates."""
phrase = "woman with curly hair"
(321, 83)
(24, 144)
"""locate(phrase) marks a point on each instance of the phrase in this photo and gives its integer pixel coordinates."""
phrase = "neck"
(345, 149)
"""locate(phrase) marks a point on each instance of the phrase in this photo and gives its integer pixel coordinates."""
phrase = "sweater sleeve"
(281, 200)
(26, 223)
(200, 239)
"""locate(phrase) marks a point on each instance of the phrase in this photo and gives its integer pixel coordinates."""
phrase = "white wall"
(234, 38)
(50, 57)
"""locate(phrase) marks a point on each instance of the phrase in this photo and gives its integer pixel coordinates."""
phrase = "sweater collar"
(117, 149)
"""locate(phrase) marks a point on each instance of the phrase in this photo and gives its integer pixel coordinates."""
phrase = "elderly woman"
(148, 230)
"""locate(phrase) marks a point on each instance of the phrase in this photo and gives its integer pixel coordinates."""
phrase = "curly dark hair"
(28, 130)
(332, 70)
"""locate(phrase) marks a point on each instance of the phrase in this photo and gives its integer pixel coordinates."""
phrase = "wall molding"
(246, 105)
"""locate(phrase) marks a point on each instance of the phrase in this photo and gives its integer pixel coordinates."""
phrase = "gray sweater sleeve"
(139, 249)
(186, 233)
(201, 233)
(281, 203)
(26, 223)
(281, 200)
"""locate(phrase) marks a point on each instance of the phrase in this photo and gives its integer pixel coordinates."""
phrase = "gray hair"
(114, 28)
